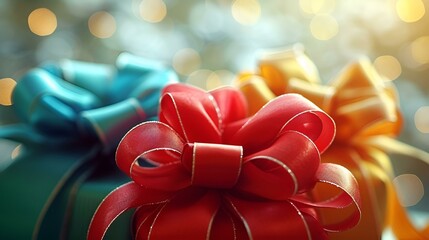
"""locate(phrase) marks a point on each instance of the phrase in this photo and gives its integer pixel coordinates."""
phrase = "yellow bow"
(365, 109)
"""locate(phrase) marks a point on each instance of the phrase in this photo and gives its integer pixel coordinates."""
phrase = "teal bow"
(77, 101)
(73, 115)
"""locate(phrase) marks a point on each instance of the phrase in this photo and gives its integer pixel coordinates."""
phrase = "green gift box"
(46, 197)
(71, 117)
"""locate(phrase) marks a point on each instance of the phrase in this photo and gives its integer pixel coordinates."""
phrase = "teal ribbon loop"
(108, 123)
(76, 101)
(51, 105)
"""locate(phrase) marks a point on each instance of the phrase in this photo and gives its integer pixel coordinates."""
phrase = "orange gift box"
(365, 109)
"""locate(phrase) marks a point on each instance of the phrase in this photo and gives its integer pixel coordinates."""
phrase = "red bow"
(216, 174)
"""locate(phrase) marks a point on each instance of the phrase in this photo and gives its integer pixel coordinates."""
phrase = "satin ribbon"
(217, 174)
(365, 109)
(73, 116)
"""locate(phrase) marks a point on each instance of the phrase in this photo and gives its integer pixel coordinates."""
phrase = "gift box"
(72, 115)
(365, 109)
(207, 170)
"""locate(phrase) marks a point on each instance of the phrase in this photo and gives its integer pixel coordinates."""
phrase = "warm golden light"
(410, 10)
(388, 66)
(42, 22)
(208, 79)
(153, 10)
(199, 78)
(317, 6)
(102, 24)
(420, 50)
(213, 81)
(6, 88)
(186, 60)
(226, 76)
(410, 189)
(421, 119)
(246, 12)
(324, 27)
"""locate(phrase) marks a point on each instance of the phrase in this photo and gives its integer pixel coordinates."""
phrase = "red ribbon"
(218, 174)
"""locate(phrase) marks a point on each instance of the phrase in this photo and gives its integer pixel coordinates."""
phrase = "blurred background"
(208, 42)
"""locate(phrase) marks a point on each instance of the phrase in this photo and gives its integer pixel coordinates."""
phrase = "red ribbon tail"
(273, 220)
(125, 197)
(341, 178)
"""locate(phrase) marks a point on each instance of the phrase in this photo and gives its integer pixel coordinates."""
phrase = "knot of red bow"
(213, 165)
(207, 171)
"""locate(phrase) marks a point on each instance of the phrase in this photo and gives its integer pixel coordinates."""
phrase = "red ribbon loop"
(213, 165)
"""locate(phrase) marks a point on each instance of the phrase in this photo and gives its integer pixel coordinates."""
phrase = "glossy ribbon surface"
(72, 113)
(217, 174)
(75, 101)
(366, 112)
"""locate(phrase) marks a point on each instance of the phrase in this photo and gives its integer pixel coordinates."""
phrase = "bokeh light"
(199, 78)
(42, 22)
(407, 58)
(208, 79)
(6, 88)
(102, 24)
(421, 119)
(317, 6)
(213, 81)
(410, 11)
(420, 50)
(388, 66)
(153, 11)
(225, 76)
(410, 189)
(186, 60)
(246, 12)
(323, 26)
